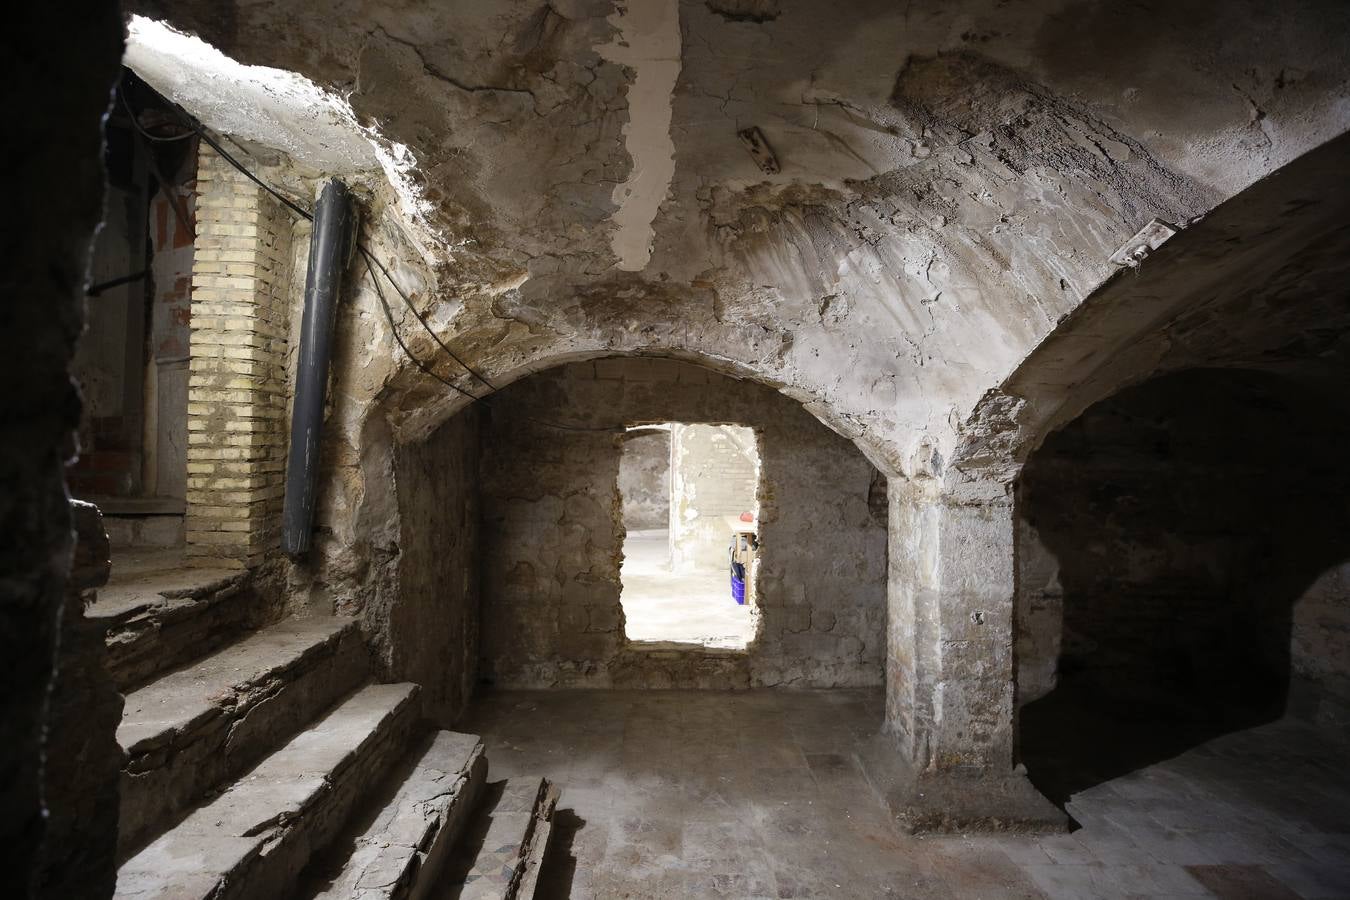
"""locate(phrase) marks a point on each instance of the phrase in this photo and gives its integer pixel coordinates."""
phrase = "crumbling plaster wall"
(644, 481)
(952, 177)
(949, 189)
(552, 536)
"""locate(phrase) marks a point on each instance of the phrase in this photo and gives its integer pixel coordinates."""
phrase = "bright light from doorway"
(691, 514)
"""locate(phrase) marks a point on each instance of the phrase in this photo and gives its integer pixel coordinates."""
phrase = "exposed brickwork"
(237, 389)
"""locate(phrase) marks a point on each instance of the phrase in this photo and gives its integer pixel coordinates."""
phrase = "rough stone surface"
(406, 842)
(914, 142)
(82, 757)
(1257, 284)
(159, 613)
(923, 267)
(763, 794)
(429, 634)
(552, 536)
(952, 182)
(949, 184)
(505, 844)
(192, 730)
(46, 256)
(254, 839)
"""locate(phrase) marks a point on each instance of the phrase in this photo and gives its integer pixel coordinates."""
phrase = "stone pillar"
(237, 388)
(949, 672)
(952, 588)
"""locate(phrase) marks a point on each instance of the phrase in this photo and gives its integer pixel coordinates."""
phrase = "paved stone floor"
(694, 608)
(758, 794)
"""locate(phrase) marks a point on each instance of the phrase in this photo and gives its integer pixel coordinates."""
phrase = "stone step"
(539, 840)
(194, 729)
(159, 613)
(397, 850)
(255, 838)
(501, 855)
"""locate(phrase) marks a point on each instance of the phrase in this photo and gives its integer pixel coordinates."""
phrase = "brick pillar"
(237, 391)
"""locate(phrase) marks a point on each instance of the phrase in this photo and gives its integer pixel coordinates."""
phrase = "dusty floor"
(660, 605)
(142, 574)
(758, 794)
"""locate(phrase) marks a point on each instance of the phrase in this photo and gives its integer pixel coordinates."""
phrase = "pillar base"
(958, 801)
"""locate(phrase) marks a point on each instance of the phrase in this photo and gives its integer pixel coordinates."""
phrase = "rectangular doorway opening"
(691, 518)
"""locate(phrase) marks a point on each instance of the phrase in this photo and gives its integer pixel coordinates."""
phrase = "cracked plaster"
(953, 179)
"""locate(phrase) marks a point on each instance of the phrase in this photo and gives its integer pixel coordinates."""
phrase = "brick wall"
(237, 387)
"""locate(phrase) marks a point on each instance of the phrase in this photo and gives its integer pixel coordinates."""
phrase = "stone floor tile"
(745, 794)
(1230, 882)
(1315, 882)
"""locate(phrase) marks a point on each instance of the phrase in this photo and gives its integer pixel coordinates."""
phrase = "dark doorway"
(1180, 542)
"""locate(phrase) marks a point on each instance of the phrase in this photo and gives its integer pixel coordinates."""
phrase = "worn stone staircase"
(274, 766)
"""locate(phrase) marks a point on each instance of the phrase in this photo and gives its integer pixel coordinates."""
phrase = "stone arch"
(1256, 284)
(415, 404)
(1181, 560)
(824, 623)
(1253, 284)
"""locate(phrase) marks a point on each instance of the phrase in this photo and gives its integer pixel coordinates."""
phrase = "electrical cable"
(371, 259)
(434, 336)
(95, 289)
(389, 317)
(136, 123)
(180, 212)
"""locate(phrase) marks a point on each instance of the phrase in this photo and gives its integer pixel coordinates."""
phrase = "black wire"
(290, 204)
(95, 289)
(135, 123)
(427, 328)
(389, 315)
(370, 259)
(164, 183)
(393, 329)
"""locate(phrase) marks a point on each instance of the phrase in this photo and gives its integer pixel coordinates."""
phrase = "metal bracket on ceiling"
(1149, 238)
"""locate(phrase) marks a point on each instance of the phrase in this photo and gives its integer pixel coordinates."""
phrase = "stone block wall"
(431, 630)
(551, 542)
(714, 474)
(237, 387)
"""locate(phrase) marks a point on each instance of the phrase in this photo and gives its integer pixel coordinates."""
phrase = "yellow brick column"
(237, 390)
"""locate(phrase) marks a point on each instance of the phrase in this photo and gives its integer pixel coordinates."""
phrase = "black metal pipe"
(330, 250)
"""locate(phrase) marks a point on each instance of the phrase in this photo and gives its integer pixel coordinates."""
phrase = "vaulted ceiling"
(881, 207)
